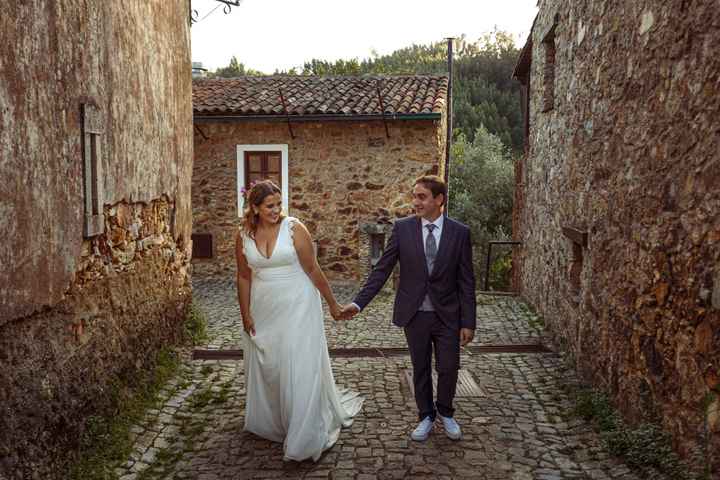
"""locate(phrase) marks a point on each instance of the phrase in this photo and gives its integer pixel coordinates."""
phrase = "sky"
(267, 35)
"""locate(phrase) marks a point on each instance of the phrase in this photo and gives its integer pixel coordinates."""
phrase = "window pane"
(274, 162)
(254, 177)
(263, 165)
(254, 161)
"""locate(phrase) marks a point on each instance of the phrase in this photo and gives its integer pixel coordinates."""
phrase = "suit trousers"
(424, 333)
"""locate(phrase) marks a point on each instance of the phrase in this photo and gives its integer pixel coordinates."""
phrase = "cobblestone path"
(515, 428)
(502, 322)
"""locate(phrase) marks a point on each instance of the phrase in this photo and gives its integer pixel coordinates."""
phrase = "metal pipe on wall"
(448, 139)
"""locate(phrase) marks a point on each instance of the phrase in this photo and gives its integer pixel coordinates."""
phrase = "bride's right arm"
(306, 255)
(244, 280)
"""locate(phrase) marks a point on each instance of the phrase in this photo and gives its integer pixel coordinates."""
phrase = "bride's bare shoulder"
(240, 236)
(296, 226)
(294, 222)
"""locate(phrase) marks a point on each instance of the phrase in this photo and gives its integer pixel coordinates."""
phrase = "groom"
(435, 301)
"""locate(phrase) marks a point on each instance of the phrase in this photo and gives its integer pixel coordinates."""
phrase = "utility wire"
(209, 13)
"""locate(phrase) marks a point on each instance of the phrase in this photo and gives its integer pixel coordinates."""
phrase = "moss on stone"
(108, 440)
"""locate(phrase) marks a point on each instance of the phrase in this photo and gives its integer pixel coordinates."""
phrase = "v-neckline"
(277, 239)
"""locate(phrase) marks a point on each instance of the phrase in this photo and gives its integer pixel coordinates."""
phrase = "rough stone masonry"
(619, 204)
(95, 162)
(344, 177)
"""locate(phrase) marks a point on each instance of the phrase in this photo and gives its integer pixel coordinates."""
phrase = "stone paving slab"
(501, 320)
(515, 429)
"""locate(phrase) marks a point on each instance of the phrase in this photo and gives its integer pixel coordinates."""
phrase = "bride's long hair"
(254, 198)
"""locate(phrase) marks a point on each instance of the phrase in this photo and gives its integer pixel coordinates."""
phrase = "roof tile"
(313, 95)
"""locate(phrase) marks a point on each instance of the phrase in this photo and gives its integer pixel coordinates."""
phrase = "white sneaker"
(452, 429)
(422, 431)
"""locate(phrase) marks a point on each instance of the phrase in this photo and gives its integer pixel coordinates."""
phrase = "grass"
(201, 399)
(644, 447)
(107, 440)
(534, 320)
(195, 327)
(191, 427)
(210, 396)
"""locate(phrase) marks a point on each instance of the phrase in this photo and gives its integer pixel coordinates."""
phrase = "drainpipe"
(448, 139)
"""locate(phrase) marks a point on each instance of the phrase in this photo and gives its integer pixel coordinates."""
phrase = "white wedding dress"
(291, 393)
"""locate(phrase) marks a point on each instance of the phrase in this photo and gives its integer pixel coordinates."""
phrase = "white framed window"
(256, 162)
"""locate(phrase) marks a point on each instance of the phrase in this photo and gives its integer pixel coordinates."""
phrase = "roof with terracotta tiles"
(409, 95)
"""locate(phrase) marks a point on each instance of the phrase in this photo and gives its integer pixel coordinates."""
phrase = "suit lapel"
(419, 243)
(443, 248)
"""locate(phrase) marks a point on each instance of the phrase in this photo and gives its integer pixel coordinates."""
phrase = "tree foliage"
(481, 195)
(234, 69)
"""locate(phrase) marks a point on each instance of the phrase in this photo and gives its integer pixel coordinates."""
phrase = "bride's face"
(269, 210)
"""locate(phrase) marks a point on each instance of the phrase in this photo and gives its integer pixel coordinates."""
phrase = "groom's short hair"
(435, 184)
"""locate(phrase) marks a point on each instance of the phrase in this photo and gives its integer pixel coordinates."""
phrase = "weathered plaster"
(77, 314)
(132, 61)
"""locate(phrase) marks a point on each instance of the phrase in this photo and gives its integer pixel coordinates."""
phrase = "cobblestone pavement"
(502, 320)
(515, 428)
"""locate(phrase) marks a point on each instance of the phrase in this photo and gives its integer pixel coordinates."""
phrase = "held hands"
(466, 336)
(336, 311)
(349, 311)
(249, 325)
(343, 312)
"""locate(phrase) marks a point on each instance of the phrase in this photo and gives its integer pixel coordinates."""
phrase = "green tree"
(485, 93)
(235, 69)
(481, 196)
(340, 67)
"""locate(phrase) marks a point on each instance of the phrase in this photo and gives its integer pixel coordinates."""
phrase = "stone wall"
(131, 61)
(78, 312)
(61, 365)
(628, 156)
(341, 175)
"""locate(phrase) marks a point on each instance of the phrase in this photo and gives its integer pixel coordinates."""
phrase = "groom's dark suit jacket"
(451, 285)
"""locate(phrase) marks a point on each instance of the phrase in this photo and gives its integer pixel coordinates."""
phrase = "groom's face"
(426, 206)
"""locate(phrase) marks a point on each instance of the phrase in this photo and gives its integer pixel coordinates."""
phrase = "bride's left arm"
(306, 254)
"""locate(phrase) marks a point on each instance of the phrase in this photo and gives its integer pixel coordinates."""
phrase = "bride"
(291, 393)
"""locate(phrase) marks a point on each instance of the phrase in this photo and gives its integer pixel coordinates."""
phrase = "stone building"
(618, 204)
(345, 151)
(95, 161)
